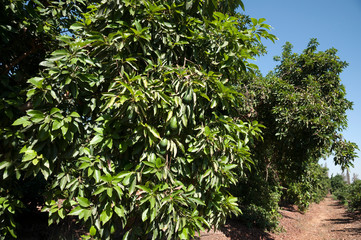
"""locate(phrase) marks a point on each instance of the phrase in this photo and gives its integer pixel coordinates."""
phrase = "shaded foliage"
(132, 120)
(348, 194)
(28, 32)
(354, 199)
(339, 188)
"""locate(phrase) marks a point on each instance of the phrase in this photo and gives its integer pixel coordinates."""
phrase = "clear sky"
(335, 24)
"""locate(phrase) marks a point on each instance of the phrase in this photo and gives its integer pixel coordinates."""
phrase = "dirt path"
(325, 221)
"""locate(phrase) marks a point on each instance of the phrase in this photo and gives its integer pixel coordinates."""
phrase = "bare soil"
(327, 220)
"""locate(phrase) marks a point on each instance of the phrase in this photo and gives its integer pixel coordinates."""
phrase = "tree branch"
(34, 49)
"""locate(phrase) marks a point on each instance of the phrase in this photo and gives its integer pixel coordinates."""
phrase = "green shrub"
(354, 199)
(312, 186)
(339, 188)
(258, 200)
(299, 194)
(342, 194)
(337, 182)
(253, 215)
(8, 205)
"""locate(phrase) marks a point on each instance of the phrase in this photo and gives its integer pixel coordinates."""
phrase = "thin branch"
(34, 49)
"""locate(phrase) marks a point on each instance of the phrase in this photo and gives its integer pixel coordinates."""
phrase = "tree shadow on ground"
(348, 218)
(289, 208)
(235, 230)
(336, 205)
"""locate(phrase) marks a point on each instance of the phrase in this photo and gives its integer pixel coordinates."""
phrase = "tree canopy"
(303, 105)
(137, 117)
(133, 117)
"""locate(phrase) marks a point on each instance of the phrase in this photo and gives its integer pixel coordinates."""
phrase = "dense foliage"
(303, 106)
(339, 188)
(133, 120)
(141, 119)
(313, 186)
(27, 35)
(354, 199)
(348, 194)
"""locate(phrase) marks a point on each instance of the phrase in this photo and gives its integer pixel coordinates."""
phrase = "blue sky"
(335, 24)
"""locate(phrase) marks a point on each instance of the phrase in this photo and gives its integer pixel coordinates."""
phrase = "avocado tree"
(133, 121)
(312, 111)
(28, 32)
(303, 106)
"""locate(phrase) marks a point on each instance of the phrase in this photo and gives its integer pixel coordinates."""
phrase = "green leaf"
(54, 110)
(254, 21)
(206, 174)
(106, 215)
(4, 164)
(154, 131)
(97, 139)
(29, 155)
(84, 202)
(30, 93)
(56, 125)
(118, 190)
(38, 3)
(144, 188)
(76, 211)
(123, 174)
(64, 129)
(55, 58)
(47, 64)
(107, 178)
(145, 214)
(74, 114)
(99, 190)
(110, 192)
(119, 211)
(97, 175)
(35, 115)
(35, 161)
(230, 166)
(126, 235)
(60, 52)
(92, 231)
(61, 213)
(213, 103)
(86, 214)
(63, 183)
(170, 115)
(36, 81)
(207, 131)
(22, 121)
(76, 26)
(197, 200)
(153, 214)
(184, 234)
(12, 232)
(132, 186)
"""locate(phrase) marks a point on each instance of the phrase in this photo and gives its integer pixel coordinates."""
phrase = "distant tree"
(354, 196)
(337, 182)
(303, 106)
